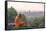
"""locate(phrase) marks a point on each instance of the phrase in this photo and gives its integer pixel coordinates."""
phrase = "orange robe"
(18, 21)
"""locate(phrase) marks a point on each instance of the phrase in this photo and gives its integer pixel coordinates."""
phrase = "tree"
(38, 22)
(11, 14)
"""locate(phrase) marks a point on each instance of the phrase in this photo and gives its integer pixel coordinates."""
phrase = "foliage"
(38, 22)
(11, 14)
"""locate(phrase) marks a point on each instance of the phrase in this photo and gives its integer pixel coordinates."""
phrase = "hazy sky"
(19, 6)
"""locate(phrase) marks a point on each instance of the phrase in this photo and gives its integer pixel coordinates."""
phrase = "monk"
(18, 21)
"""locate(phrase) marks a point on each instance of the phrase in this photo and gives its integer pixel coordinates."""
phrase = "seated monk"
(18, 21)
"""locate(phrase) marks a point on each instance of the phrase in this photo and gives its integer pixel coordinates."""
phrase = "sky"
(19, 6)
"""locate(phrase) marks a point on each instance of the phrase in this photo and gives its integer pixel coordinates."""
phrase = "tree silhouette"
(11, 14)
